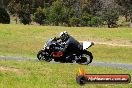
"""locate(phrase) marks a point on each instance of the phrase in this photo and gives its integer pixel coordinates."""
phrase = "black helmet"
(64, 36)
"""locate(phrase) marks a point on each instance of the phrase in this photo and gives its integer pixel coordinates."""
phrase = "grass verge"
(26, 41)
(35, 74)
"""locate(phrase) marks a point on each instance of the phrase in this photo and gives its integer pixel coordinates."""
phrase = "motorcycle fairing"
(57, 54)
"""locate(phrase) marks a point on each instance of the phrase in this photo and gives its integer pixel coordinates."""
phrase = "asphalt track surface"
(101, 64)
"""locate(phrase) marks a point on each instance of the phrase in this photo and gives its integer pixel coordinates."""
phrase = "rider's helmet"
(64, 36)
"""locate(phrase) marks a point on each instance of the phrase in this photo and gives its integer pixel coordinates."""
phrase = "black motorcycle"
(53, 50)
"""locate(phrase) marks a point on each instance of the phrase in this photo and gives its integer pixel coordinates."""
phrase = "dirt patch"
(12, 69)
(113, 44)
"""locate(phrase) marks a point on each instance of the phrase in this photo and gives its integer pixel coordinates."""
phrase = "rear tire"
(86, 57)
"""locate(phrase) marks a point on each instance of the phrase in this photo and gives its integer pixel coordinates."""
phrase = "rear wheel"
(86, 57)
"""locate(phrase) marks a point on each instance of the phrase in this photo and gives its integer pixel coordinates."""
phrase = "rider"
(70, 44)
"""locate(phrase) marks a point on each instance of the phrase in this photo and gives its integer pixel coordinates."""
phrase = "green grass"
(105, 53)
(35, 74)
(26, 41)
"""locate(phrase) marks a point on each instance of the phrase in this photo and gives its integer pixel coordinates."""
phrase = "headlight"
(47, 47)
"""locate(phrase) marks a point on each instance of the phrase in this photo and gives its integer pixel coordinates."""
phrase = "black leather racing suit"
(71, 46)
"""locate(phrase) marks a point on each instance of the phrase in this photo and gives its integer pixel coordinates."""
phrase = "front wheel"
(43, 55)
(86, 57)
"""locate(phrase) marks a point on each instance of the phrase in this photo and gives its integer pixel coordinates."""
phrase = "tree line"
(89, 13)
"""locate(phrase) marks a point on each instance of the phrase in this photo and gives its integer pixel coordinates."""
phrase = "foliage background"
(90, 13)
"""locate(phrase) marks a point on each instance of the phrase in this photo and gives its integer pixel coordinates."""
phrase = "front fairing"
(49, 43)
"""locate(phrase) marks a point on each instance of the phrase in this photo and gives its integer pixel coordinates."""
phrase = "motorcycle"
(53, 50)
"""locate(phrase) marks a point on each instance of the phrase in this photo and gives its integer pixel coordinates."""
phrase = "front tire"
(42, 55)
